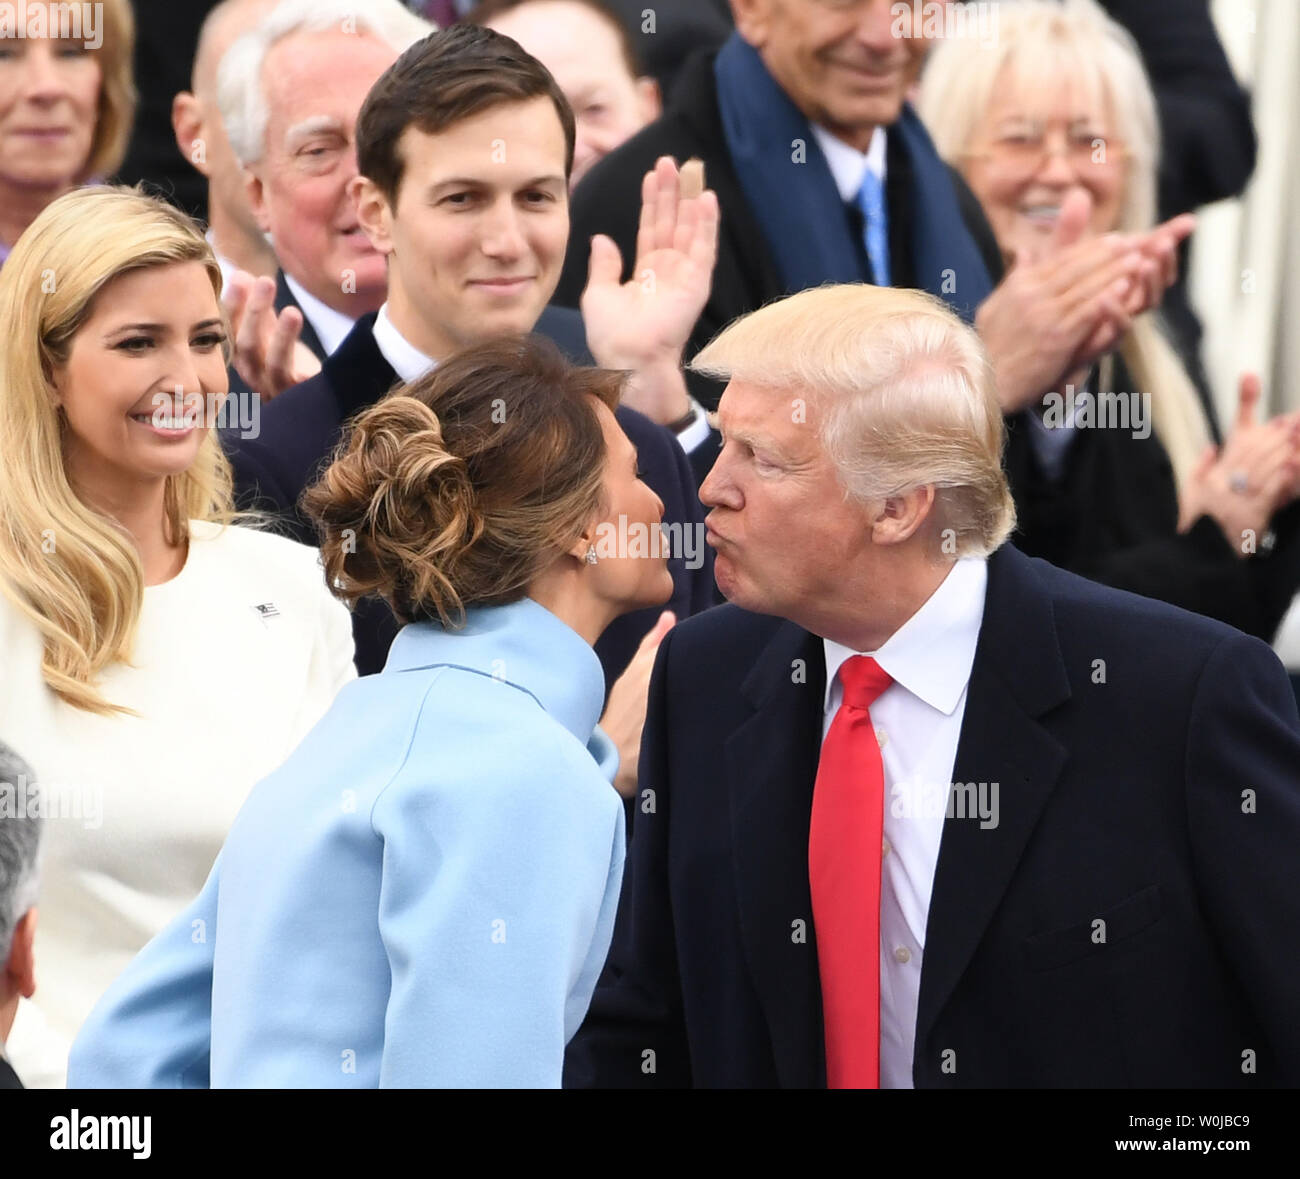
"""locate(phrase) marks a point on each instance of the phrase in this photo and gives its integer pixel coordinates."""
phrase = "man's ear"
(187, 126)
(649, 99)
(20, 970)
(899, 517)
(751, 17)
(256, 193)
(373, 211)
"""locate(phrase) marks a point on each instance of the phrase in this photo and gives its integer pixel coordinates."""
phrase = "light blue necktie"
(875, 233)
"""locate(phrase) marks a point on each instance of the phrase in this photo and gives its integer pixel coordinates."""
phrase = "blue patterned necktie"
(875, 233)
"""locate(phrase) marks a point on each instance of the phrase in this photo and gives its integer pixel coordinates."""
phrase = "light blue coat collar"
(523, 644)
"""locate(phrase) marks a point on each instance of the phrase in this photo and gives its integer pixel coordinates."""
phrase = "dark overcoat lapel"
(1018, 676)
(771, 764)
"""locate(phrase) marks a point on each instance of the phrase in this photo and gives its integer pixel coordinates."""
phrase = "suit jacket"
(284, 297)
(1137, 748)
(301, 428)
(1113, 517)
(609, 201)
(8, 1078)
(422, 895)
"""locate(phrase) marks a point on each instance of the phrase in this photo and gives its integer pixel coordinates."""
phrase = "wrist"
(658, 390)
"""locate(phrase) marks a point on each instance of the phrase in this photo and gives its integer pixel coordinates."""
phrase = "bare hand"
(268, 353)
(1061, 308)
(643, 324)
(1257, 472)
(625, 713)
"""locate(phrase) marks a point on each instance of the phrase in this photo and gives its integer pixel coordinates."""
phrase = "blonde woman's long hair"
(1040, 43)
(72, 570)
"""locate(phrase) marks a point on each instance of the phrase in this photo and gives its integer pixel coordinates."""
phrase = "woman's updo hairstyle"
(460, 488)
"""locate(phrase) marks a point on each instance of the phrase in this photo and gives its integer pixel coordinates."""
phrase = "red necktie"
(844, 844)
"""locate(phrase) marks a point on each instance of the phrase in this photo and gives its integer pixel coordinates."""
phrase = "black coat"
(301, 428)
(1207, 138)
(1120, 801)
(8, 1078)
(1113, 517)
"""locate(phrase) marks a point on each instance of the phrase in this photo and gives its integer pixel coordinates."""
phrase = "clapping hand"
(1256, 473)
(267, 351)
(1061, 307)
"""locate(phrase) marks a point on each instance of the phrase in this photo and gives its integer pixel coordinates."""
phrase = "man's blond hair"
(904, 394)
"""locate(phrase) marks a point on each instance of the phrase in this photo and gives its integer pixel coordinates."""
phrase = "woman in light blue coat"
(424, 893)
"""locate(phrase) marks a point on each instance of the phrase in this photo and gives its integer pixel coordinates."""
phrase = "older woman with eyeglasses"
(1115, 477)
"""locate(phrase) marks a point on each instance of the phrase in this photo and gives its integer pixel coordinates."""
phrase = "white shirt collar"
(227, 266)
(330, 325)
(931, 654)
(407, 360)
(848, 165)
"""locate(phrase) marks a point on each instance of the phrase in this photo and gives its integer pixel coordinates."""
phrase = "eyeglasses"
(1024, 151)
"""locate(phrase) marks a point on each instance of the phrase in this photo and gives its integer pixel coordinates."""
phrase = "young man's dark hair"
(448, 76)
(487, 11)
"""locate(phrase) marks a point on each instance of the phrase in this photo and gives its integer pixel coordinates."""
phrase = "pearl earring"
(591, 554)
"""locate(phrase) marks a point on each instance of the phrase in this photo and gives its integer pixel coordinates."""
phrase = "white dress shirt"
(407, 360)
(917, 721)
(330, 326)
(228, 268)
(848, 165)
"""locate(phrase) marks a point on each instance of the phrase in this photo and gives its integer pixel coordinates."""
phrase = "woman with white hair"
(158, 660)
(1054, 127)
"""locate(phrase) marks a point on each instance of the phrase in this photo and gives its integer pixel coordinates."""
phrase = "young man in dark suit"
(464, 150)
(916, 810)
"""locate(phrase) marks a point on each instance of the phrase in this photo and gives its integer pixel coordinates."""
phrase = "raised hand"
(643, 324)
(267, 352)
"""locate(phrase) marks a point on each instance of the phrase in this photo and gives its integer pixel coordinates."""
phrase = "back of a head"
(444, 78)
(459, 489)
(903, 396)
(83, 592)
(1041, 43)
(488, 11)
(240, 94)
(20, 836)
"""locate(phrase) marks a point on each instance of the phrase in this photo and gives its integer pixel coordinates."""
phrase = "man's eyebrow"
(312, 126)
(484, 182)
(756, 441)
